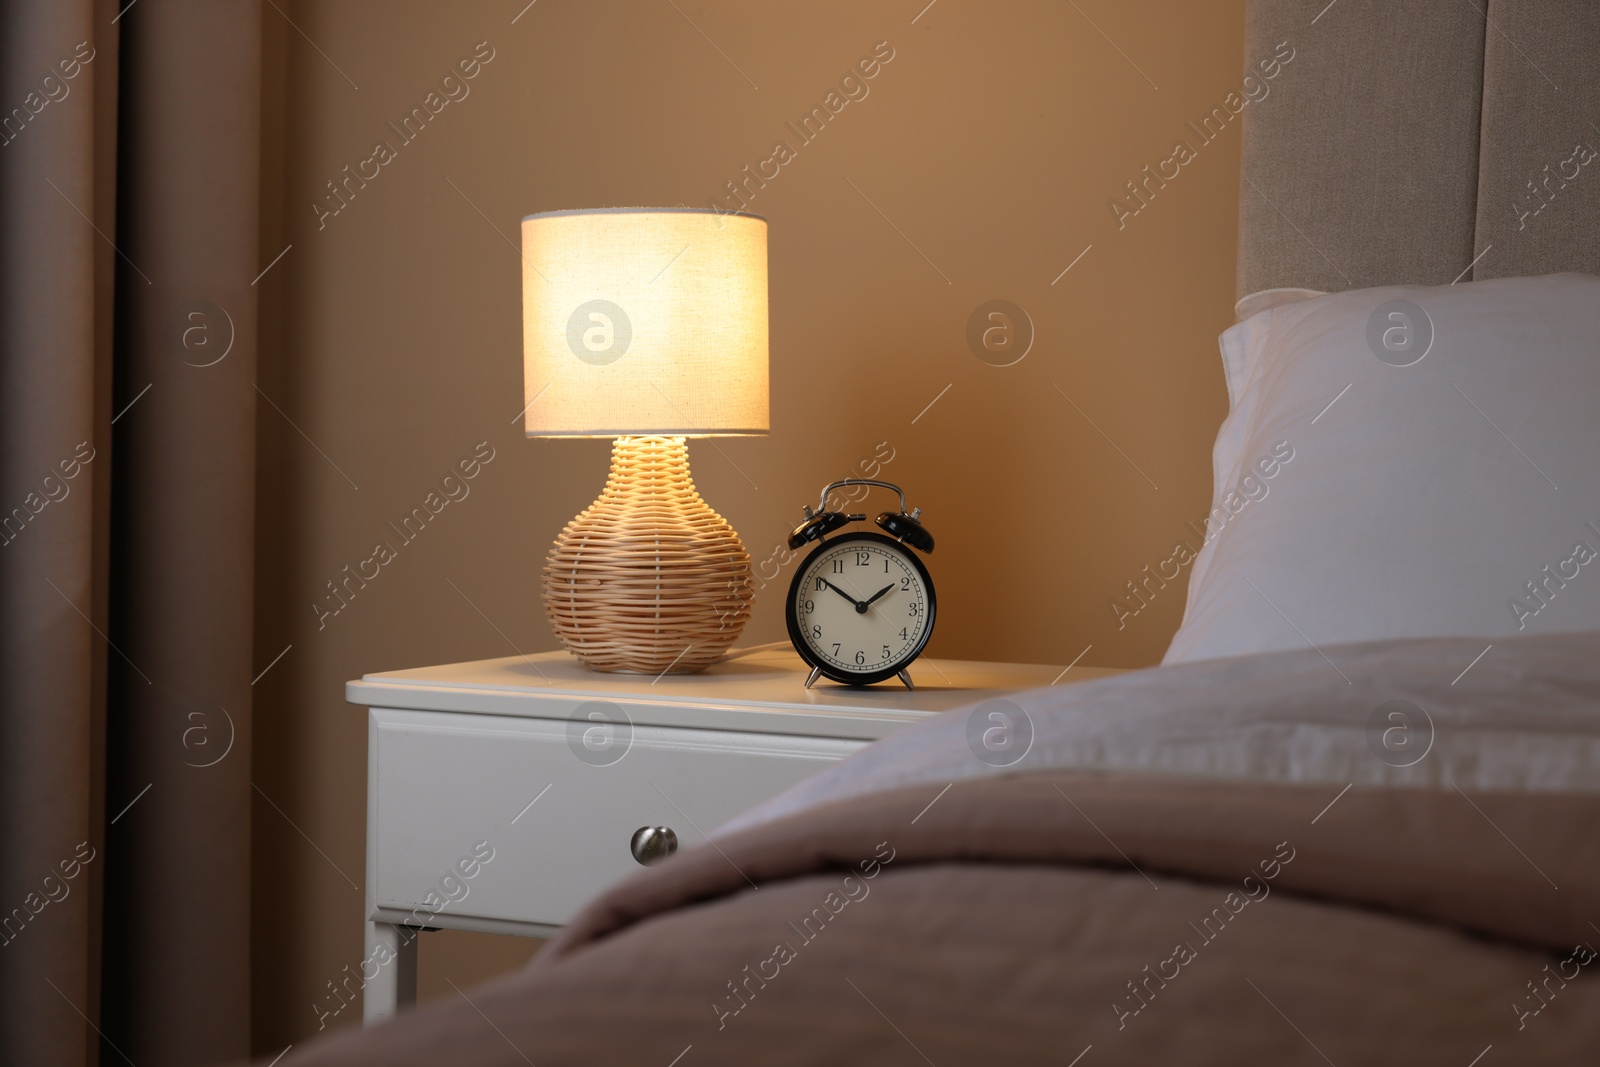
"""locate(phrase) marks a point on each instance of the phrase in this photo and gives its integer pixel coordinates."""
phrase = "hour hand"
(853, 601)
(878, 595)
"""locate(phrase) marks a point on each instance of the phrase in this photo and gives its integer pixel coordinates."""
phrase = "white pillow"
(1267, 299)
(1404, 462)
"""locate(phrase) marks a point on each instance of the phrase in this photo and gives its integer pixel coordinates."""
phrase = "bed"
(1354, 817)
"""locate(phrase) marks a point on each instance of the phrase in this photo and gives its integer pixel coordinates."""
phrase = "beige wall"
(993, 140)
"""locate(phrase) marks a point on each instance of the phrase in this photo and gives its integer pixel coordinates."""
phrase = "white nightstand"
(510, 789)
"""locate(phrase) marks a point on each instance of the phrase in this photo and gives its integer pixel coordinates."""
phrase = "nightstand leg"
(395, 986)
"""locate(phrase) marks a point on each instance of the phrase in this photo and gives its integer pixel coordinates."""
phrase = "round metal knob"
(652, 844)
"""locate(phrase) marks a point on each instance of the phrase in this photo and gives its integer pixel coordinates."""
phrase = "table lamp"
(647, 325)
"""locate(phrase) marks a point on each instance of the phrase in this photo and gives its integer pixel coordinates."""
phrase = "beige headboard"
(1408, 139)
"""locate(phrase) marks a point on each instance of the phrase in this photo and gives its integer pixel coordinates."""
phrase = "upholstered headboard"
(1418, 141)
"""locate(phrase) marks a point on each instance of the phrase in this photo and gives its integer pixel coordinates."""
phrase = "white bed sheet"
(1523, 715)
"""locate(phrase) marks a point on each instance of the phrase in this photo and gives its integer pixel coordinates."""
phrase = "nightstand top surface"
(760, 689)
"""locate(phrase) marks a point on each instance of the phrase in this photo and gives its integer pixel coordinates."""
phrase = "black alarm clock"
(861, 605)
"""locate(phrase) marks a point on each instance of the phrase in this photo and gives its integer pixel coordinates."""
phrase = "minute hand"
(878, 595)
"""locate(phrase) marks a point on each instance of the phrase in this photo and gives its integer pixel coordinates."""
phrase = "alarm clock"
(861, 606)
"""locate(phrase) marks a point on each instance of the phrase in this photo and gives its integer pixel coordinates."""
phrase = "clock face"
(861, 607)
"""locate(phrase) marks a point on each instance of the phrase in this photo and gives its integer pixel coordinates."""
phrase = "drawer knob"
(652, 844)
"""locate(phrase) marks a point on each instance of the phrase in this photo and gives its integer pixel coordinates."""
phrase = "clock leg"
(905, 676)
(816, 672)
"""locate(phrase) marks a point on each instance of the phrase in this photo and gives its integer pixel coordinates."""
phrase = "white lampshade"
(644, 321)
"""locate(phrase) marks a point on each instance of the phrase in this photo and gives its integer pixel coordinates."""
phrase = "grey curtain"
(54, 311)
(129, 188)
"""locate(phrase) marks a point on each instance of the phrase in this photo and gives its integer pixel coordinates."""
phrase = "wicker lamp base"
(648, 578)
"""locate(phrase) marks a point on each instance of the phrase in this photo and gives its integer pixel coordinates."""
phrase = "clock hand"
(854, 602)
(864, 606)
(875, 596)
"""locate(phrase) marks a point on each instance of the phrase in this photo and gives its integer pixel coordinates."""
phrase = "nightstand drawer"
(559, 825)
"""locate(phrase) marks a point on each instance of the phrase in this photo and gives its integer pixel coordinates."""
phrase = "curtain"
(54, 292)
(129, 189)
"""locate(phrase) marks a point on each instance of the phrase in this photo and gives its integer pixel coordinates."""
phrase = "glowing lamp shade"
(644, 321)
(648, 325)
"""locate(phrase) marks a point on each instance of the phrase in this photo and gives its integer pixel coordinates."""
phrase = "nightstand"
(503, 794)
